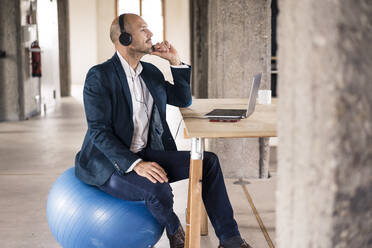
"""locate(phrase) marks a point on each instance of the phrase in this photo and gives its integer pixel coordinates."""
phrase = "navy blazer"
(109, 112)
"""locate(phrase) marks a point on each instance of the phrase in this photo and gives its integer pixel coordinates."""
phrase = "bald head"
(140, 43)
(115, 27)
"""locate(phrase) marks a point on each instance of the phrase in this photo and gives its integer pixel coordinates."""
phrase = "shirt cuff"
(132, 166)
(182, 65)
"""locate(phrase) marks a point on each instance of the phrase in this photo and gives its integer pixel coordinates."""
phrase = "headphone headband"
(124, 38)
(121, 23)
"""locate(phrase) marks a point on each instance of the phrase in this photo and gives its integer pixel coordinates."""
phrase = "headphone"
(124, 38)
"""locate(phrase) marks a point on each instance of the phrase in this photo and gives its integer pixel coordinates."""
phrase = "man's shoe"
(177, 240)
(243, 245)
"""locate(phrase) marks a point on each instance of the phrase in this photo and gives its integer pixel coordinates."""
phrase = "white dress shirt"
(142, 102)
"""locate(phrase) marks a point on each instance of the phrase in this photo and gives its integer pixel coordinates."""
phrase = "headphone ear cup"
(125, 39)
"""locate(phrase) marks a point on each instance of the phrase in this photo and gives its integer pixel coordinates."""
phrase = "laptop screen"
(253, 94)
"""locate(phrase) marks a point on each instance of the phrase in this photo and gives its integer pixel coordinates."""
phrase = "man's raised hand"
(166, 51)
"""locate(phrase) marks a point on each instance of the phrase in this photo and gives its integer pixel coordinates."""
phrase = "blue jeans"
(159, 198)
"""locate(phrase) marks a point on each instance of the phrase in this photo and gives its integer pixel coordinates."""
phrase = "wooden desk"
(262, 123)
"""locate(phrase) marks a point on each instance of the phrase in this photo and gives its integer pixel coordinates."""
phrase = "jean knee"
(211, 160)
(160, 193)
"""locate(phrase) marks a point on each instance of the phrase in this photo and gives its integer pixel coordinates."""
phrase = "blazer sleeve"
(98, 110)
(179, 93)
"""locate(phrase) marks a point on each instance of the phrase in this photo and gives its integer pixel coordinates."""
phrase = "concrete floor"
(35, 152)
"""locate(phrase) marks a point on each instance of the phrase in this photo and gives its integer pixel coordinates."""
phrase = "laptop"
(237, 114)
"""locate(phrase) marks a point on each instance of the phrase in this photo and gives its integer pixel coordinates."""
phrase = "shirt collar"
(128, 69)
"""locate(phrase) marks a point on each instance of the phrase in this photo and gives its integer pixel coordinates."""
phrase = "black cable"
(179, 125)
(143, 95)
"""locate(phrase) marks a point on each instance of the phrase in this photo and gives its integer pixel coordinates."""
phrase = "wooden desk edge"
(266, 135)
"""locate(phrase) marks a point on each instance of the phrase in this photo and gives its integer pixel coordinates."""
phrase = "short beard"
(149, 50)
(142, 50)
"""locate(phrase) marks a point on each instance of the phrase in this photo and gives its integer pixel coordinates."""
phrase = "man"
(128, 150)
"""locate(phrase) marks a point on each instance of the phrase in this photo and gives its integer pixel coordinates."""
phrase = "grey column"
(239, 44)
(199, 47)
(324, 193)
(11, 97)
(64, 47)
(18, 90)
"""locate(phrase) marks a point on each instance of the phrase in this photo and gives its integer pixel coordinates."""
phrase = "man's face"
(141, 35)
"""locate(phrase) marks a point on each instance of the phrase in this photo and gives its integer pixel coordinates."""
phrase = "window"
(150, 10)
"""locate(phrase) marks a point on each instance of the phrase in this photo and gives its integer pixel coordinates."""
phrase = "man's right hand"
(152, 171)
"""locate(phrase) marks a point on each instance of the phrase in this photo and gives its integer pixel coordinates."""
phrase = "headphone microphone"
(124, 38)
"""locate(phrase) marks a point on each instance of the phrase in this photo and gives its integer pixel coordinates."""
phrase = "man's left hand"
(166, 51)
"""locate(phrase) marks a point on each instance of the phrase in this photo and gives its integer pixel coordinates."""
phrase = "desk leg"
(194, 195)
(204, 221)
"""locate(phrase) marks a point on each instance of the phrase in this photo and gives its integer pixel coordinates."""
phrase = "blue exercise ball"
(82, 216)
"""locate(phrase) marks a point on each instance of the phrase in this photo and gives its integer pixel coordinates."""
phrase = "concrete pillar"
(199, 47)
(64, 47)
(10, 95)
(324, 193)
(239, 42)
(19, 92)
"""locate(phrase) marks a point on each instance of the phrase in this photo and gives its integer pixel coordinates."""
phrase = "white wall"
(177, 26)
(105, 15)
(83, 38)
(47, 18)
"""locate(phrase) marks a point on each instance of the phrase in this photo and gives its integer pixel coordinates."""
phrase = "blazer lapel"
(124, 82)
(147, 79)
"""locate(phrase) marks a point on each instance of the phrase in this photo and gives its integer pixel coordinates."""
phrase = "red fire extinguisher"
(36, 59)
